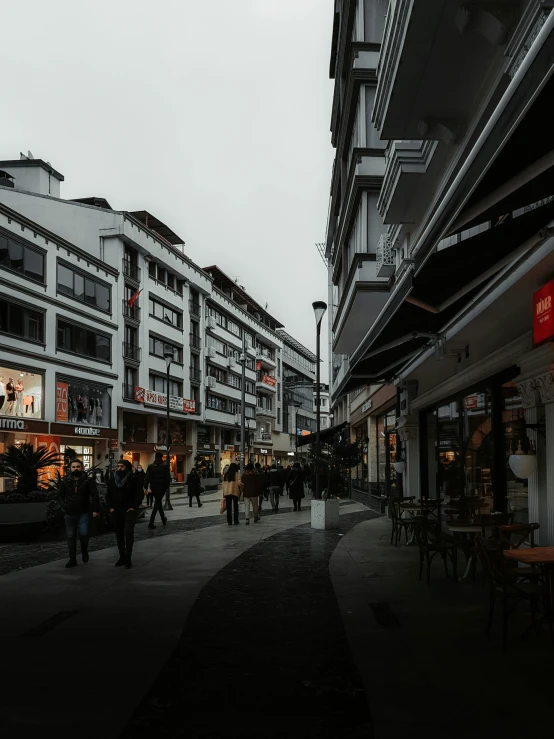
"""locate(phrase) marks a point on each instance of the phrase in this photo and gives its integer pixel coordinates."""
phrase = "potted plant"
(23, 511)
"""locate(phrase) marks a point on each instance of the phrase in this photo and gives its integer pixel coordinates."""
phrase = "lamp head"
(319, 309)
(169, 357)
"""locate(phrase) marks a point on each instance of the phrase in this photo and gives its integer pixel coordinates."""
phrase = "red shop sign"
(543, 313)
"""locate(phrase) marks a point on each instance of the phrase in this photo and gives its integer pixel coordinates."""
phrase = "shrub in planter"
(25, 463)
(15, 498)
(37, 496)
(54, 515)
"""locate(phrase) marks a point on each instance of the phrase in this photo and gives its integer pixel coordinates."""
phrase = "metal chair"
(399, 523)
(503, 585)
(430, 544)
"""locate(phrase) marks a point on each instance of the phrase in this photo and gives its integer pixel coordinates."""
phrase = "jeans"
(250, 503)
(232, 503)
(158, 507)
(124, 525)
(73, 524)
(274, 493)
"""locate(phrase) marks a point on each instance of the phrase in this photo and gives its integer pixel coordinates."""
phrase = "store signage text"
(543, 316)
(263, 451)
(87, 431)
(366, 406)
(160, 399)
(12, 424)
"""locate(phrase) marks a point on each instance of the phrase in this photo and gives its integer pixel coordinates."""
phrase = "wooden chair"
(430, 545)
(514, 536)
(399, 523)
(503, 585)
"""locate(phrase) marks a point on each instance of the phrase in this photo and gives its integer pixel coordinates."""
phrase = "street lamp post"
(319, 310)
(243, 405)
(169, 357)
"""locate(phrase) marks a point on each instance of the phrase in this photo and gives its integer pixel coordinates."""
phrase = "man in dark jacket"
(274, 485)
(76, 493)
(158, 478)
(124, 496)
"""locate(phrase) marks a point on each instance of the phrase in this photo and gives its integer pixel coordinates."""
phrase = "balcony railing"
(195, 309)
(128, 391)
(385, 260)
(195, 341)
(132, 314)
(131, 271)
(131, 351)
(195, 374)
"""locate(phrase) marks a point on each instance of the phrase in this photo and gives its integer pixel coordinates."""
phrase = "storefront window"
(178, 431)
(134, 427)
(82, 401)
(449, 450)
(86, 453)
(20, 393)
(513, 417)
(386, 443)
(478, 447)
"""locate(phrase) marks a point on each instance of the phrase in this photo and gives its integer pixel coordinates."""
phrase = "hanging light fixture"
(523, 465)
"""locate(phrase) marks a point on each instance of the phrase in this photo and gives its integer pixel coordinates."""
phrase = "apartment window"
(171, 281)
(218, 345)
(152, 269)
(216, 372)
(234, 381)
(279, 367)
(131, 377)
(278, 415)
(19, 320)
(161, 275)
(165, 313)
(159, 384)
(234, 328)
(250, 387)
(216, 403)
(20, 257)
(234, 406)
(158, 347)
(178, 286)
(77, 285)
(86, 342)
(250, 411)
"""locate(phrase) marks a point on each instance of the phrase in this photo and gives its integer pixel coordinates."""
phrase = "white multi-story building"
(92, 300)
(325, 413)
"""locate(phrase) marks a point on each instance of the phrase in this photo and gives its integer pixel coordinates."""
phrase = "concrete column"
(549, 409)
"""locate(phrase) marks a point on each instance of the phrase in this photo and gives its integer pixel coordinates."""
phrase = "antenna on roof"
(321, 250)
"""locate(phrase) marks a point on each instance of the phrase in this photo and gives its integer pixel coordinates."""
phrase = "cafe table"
(418, 508)
(542, 557)
(472, 529)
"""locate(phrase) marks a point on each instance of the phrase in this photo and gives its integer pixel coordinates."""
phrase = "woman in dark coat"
(295, 486)
(194, 487)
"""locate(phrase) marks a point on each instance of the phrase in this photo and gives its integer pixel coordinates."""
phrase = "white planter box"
(325, 514)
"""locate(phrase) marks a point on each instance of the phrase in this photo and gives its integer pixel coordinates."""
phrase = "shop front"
(95, 445)
(83, 402)
(263, 455)
(18, 431)
(21, 392)
(207, 452)
(135, 452)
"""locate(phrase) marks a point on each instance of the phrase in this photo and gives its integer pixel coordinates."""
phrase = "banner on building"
(152, 397)
(62, 408)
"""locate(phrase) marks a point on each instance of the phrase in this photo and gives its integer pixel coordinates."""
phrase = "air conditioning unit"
(210, 351)
(231, 361)
(237, 418)
(210, 381)
(210, 322)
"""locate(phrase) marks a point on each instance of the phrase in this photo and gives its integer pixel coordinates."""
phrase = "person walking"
(231, 492)
(158, 480)
(124, 496)
(76, 493)
(194, 487)
(141, 476)
(295, 486)
(262, 483)
(251, 482)
(274, 486)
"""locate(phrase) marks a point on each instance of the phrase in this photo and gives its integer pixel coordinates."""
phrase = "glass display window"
(21, 393)
(86, 453)
(82, 402)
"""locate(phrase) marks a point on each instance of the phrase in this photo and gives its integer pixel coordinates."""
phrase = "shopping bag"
(223, 506)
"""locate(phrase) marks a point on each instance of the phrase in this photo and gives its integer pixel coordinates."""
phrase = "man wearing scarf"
(124, 496)
(77, 494)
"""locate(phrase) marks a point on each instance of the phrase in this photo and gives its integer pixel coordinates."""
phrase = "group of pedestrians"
(255, 484)
(77, 494)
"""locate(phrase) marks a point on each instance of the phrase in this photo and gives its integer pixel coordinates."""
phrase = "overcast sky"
(213, 115)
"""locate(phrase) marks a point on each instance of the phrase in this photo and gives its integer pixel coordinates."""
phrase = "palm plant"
(25, 463)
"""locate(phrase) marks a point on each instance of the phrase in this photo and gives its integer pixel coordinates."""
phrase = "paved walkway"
(82, 647)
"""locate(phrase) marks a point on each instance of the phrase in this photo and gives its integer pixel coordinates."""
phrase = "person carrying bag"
(232, 487)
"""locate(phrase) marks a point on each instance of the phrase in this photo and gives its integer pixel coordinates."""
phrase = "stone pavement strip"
(82, 647)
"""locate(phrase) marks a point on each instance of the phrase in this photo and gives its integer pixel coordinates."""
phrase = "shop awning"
(424, 305)
(325, 436)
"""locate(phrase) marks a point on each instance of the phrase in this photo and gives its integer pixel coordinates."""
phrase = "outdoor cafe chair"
(399, 523)
(514, 536)
(430, 545)
(503, 586)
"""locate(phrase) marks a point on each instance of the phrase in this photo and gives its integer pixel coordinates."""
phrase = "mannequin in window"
(2, 393)
(19, 398)
(11, 396)
(81, 409)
